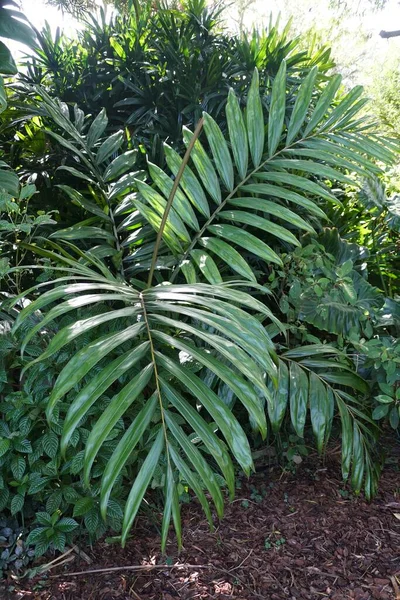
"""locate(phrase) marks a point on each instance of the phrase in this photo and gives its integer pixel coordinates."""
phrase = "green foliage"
(187, 308)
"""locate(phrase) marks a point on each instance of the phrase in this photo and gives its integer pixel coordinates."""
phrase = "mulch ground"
(284, 537)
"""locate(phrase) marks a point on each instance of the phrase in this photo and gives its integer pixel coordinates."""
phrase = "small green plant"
(54, 532)
(274, 540)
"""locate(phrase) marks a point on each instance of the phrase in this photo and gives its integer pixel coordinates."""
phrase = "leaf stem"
(178, 178)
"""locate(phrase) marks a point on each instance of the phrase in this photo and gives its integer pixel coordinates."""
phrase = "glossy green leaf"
(255, 221)
(273, 208)
(323, 103)
(321, 410)
(280, 395)
(7, 63)
(298, 381)
(277, 110)
(180, 202)
(207, 266)
(96, 387)
(347, 438)
(124, 449)
(247, 240)
(220, 151)
(114, 411)
(120, 165)
(285, 194)
(301, 105)
(198, 462)
(81, 363)
(109, 146)
(229, 255)
(189, 182)
(141, 484)
(203, 430)
(358, 463)
(227, 423)
(97, 128)
(237, 134)
(255, 120)
(204, 166)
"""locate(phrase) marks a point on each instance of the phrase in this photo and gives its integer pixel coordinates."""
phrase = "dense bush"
(178, 310)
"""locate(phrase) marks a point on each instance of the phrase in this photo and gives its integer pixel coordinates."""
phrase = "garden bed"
(295, 536)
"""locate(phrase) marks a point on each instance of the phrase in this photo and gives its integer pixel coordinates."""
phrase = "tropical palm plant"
(207, 234)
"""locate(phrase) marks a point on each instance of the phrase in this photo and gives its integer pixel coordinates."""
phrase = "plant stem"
(178, 178)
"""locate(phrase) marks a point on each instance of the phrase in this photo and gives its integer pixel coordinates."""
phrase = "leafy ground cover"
(296, 536)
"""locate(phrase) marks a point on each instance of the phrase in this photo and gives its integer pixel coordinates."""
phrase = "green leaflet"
(203, 430)
(277, 110)
(97, 128)
(81, 363)
(227, 423)
(204, 166)
(219, 149)
(323, 103)
(255, 121)
(301, 105)
(96, 387)
(321, 410)
(280, 394)
(198, 462)
(247, 240)
(141, 484)
(242, 389)
(189, 182)
(237, 134)
(269, 226)
(298, 383)
(228, 255)
(120, 165)
(207, 266)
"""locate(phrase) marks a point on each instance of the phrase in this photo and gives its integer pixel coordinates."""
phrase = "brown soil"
(283, 537)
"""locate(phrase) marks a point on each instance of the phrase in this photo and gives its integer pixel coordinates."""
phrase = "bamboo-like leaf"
(141, 484)
(97, 128)
(219, 149)
(207, 266)
(321, 410)
(347, 438)
(285, 194)
(299, 182)
(273, 208)
(81, 363)
(96, 387)
(277, 408)
(189, 182)
(204, 166)
(237, 134)
(358, 465)
(298, 397)
(242, 389)
(114, 411)
(198, 462)
(277, 110)
(323, 103)
(124, 449)
(301, 105)
(120, 165)
(228, 255)
(193, 482)
(181, 203)
(255, 120)
(253, 220)
(214, 445)
(227, 423)
(247, 240)
(109, 146)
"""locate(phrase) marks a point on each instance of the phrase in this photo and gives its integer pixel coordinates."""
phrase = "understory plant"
(162, 312)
